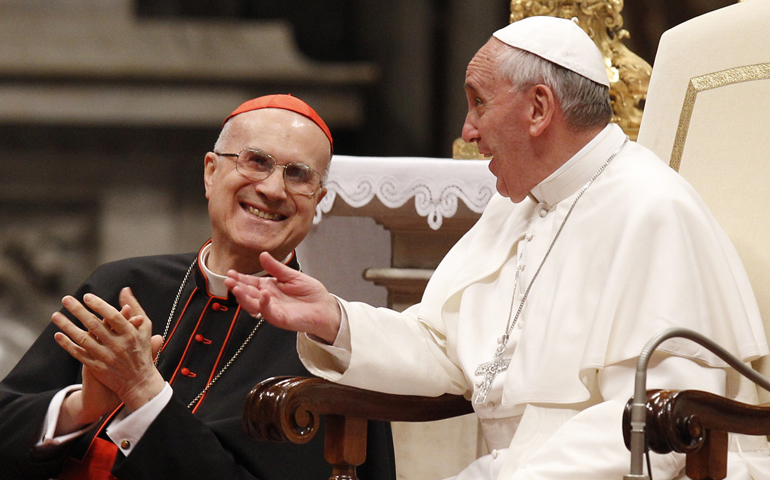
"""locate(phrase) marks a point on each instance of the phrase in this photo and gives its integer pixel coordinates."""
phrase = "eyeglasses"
(257, 165)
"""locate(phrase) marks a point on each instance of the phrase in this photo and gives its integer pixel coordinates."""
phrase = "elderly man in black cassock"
(144, 372)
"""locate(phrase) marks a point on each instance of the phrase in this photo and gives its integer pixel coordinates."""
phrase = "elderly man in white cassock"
(538, 313)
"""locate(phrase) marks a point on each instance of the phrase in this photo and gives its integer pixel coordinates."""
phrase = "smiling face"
(498, 120)
(249, 217)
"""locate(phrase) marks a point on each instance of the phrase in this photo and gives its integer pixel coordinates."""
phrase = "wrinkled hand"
(116, 351)
(94, 399)
(289, 299)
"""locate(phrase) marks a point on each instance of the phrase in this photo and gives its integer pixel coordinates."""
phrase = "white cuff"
(342, 342)
(125, 430)
(52, 418)
(333, 359)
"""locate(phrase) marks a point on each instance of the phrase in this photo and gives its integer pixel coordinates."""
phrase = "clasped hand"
(116, 349)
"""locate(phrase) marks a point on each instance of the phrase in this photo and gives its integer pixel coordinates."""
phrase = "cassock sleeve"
(197, 452)
(178, 445)
(417, 361)
(25, 395)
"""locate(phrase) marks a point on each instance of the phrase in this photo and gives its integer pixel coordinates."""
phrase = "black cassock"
(203, 442)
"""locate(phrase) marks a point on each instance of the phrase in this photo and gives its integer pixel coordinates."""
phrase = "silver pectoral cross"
(490, 371)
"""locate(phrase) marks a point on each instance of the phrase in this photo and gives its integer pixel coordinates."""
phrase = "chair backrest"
(708, 114)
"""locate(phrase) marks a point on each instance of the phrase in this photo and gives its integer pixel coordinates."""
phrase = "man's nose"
(470, 133)
(273, 186)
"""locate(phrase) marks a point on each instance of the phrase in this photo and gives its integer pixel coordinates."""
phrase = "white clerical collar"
(571, 176)
(216, 282)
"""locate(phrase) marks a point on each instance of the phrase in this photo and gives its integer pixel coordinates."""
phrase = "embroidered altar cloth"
(435, 183)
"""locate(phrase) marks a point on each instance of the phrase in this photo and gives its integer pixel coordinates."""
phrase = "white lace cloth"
(435, 183)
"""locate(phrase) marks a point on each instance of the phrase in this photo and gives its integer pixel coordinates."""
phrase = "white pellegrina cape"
(639, 253)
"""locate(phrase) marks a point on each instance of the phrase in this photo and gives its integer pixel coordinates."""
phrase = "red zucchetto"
(284, 102)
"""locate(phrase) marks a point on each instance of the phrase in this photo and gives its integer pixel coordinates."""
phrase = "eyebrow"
(292, 162)
(473, 86)
(258, 150)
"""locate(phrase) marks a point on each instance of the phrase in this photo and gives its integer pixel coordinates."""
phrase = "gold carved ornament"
(629, 74)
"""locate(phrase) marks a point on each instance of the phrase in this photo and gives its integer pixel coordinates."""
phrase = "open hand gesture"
(289, 299)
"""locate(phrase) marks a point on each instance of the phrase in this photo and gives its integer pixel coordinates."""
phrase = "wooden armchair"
(697, 423)
(290, 408)
(692, 422)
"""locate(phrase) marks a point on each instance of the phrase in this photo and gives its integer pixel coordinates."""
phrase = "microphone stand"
(639, 405)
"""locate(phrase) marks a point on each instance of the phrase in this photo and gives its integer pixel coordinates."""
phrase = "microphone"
(639, 404)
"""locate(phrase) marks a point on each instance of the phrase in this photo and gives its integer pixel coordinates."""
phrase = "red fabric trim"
(233, 322)
(181, 314)
(96, 465)
(191, 339)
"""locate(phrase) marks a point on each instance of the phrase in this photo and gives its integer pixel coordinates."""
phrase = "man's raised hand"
(288, 299)
(117, 349)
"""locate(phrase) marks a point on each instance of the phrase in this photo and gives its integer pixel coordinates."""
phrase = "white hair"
(585, 103)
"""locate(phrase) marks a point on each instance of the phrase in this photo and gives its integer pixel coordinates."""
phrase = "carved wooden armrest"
(696, 423)
(284, 409)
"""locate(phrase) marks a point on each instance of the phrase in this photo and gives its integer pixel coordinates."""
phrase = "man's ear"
(209, 168)
(543, 108)
(321, 194)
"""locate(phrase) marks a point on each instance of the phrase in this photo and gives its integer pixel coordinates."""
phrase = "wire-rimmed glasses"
(257, 165)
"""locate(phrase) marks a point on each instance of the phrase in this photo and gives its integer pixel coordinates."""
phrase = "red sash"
(96, 465)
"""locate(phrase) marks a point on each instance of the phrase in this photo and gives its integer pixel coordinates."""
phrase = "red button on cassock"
(187, 373)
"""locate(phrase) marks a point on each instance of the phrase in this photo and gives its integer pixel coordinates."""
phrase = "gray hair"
(222, 138)
(585, 103)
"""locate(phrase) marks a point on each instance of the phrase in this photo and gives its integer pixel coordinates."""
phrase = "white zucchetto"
(557, 40)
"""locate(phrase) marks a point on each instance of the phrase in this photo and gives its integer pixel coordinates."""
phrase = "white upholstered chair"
(708, 115)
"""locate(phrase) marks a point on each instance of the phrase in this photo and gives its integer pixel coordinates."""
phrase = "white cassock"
(639, 253)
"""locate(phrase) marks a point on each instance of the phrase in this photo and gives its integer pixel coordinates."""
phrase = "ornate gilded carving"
(466, 151)
(629, 74)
